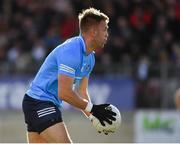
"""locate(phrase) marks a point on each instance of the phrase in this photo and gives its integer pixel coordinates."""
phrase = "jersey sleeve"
(68, 62)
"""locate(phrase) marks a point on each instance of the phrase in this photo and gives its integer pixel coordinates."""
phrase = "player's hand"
(103, 114)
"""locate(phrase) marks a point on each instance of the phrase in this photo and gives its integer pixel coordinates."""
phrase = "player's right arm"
(66, 93)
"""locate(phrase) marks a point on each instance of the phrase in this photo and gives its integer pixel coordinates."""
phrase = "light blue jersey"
(68, 59)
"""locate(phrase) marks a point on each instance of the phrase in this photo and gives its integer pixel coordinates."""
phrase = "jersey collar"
(83, 43)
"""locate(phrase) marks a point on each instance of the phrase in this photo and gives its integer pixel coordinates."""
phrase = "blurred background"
(138, 70)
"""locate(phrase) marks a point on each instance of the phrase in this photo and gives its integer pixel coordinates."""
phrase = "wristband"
(91, 117)
(89, 107)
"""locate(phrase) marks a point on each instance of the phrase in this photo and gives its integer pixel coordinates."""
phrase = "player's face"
(101, 34)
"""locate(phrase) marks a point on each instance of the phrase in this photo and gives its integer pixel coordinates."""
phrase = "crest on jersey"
(85, 68)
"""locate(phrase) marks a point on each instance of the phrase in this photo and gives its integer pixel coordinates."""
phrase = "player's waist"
(41, 95)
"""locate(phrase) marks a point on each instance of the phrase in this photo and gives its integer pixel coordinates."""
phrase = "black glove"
(102, 113)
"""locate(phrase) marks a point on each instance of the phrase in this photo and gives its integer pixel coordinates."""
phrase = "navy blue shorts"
(40, 115)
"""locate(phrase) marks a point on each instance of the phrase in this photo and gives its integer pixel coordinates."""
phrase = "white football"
(107, 128)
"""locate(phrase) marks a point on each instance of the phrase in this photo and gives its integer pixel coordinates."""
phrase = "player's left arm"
(83, 91)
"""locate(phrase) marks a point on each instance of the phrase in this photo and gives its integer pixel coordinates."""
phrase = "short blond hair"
(89, 17)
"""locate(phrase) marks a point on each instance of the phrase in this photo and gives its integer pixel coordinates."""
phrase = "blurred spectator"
(15, 51)
(68, 26)
(177, 99)
(143, 69)
(52, 38)
(176, 54)
(38, 50)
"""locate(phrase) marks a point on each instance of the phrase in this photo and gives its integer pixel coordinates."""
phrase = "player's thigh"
(41, 117)
(56, 133)
(34, 137)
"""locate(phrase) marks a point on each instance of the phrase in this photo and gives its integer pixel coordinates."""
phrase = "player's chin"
(103, 45)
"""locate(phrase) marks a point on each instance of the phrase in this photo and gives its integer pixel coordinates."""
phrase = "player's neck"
(89, 45)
